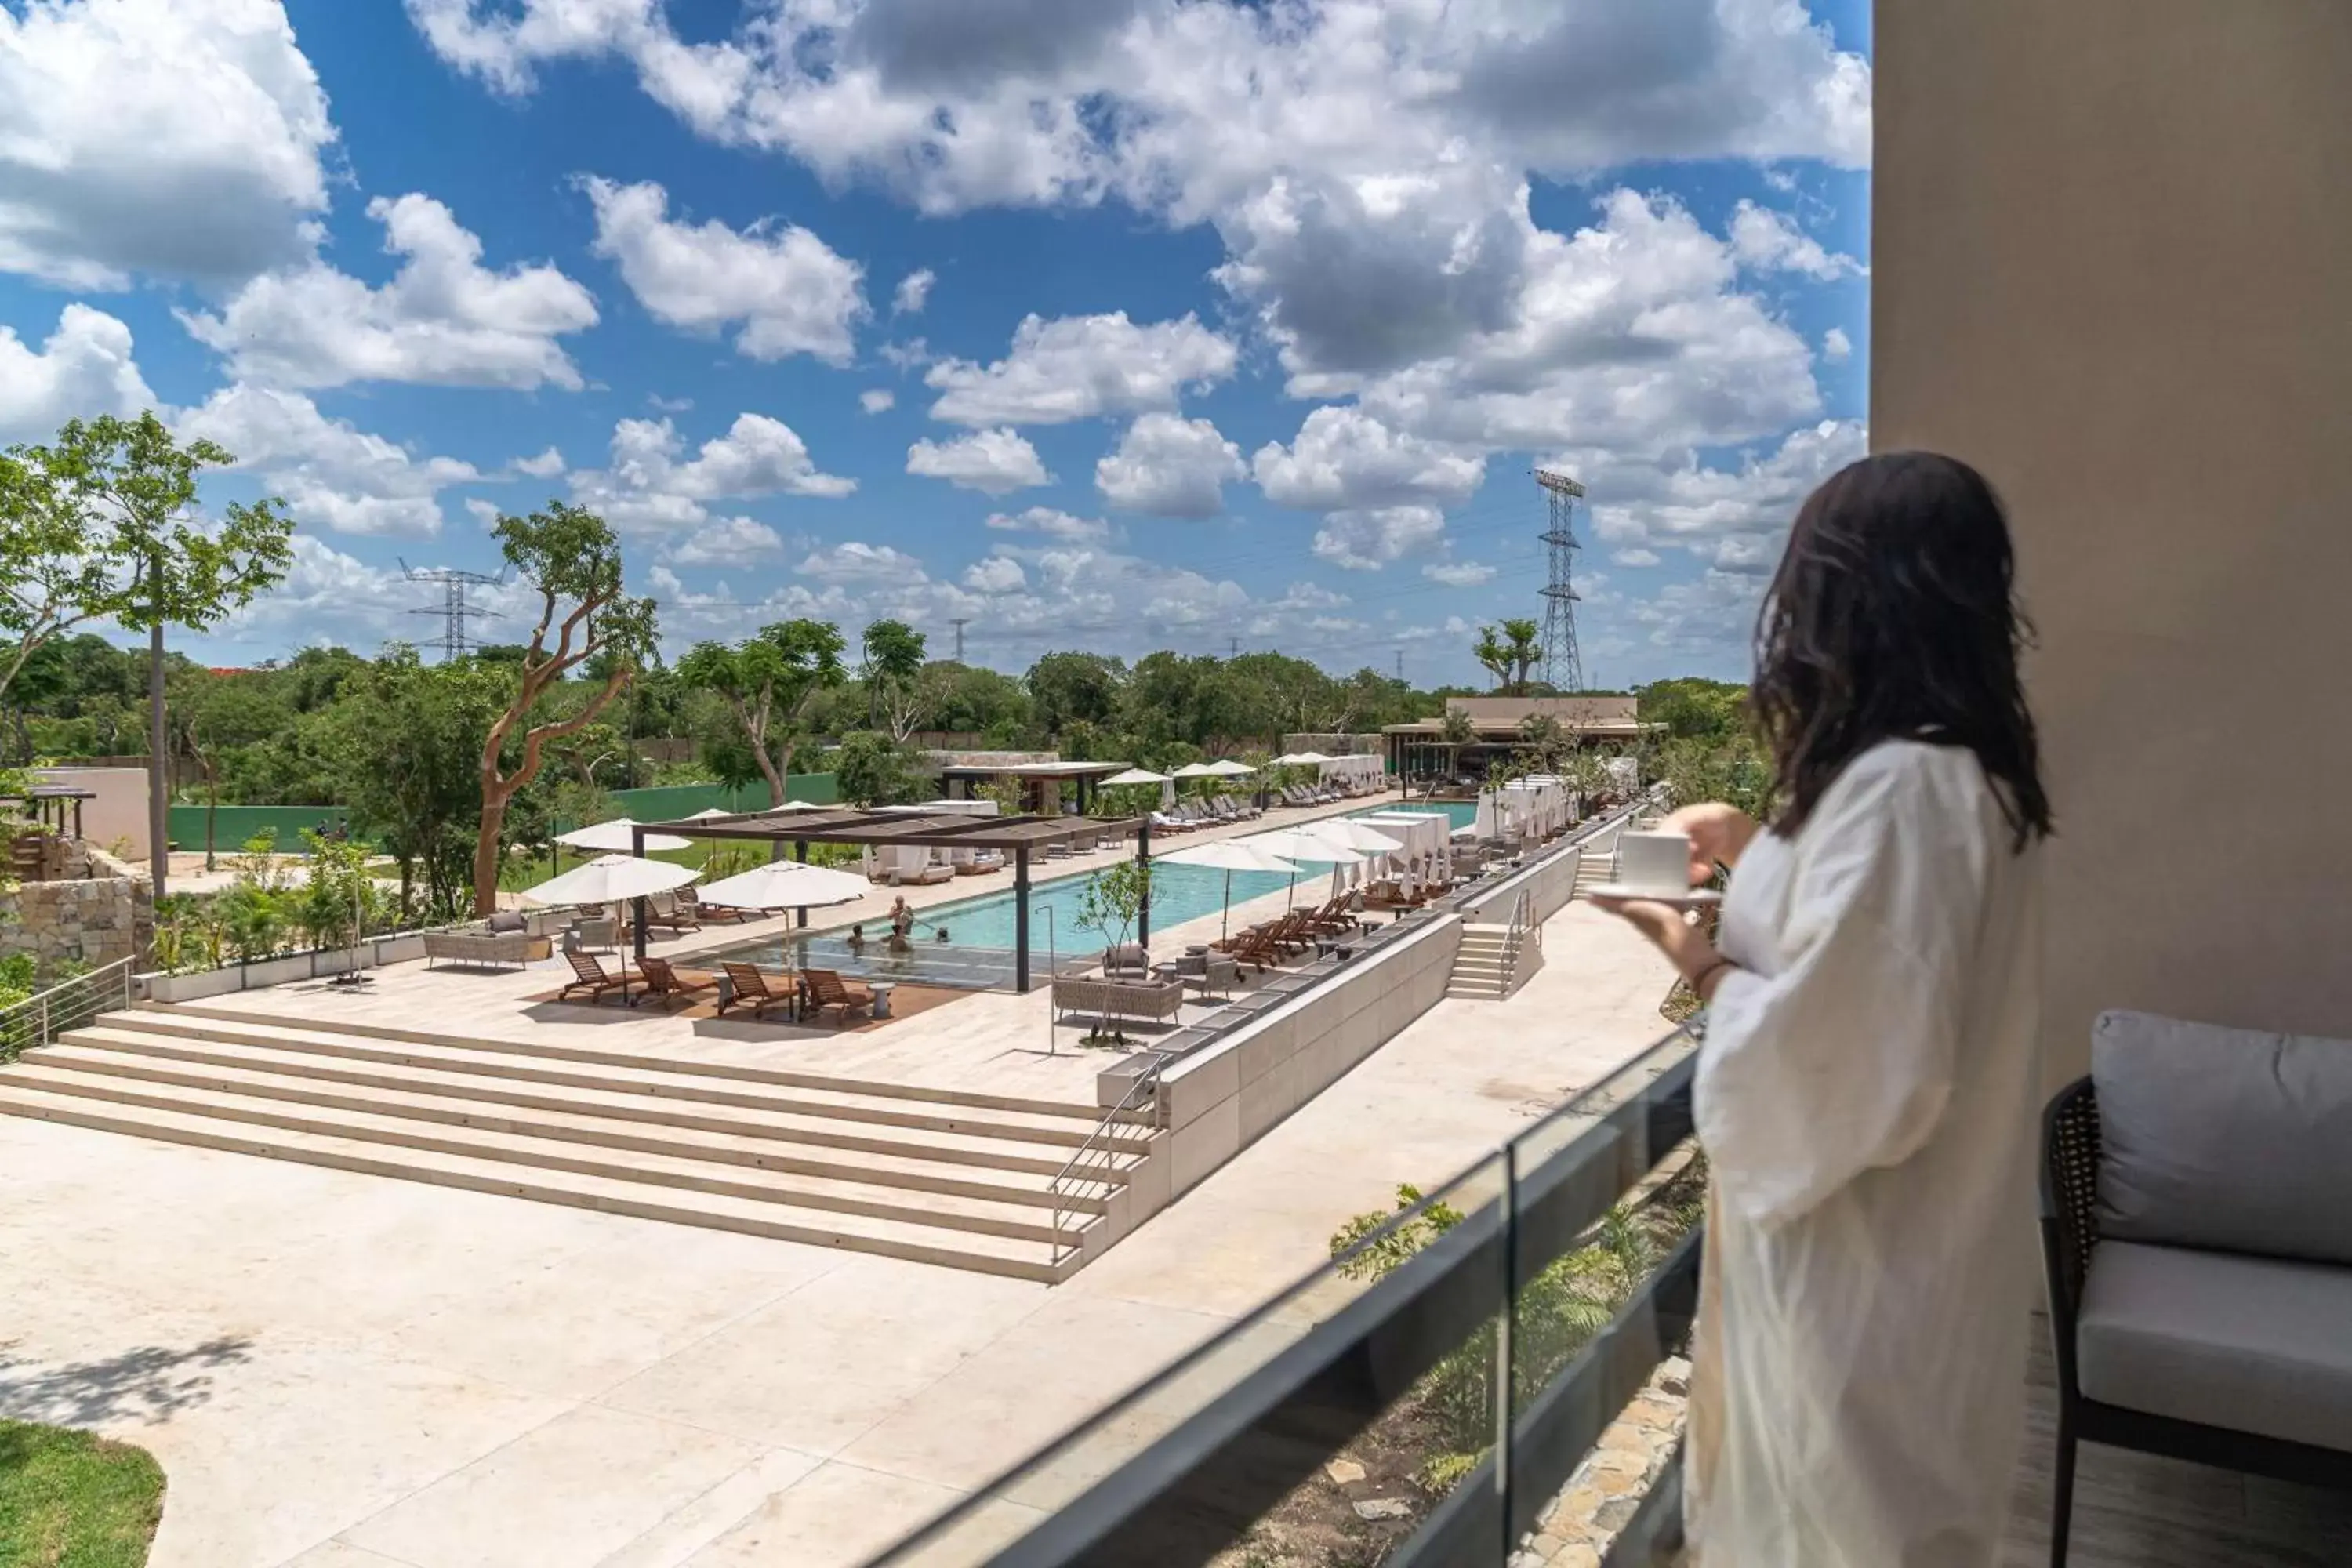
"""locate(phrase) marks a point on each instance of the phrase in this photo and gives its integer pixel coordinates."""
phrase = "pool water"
(979, 949)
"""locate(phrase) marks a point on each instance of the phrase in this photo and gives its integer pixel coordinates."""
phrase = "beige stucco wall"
(2112, 266)
(117, 819)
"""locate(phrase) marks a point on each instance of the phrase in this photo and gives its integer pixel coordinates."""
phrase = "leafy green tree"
(1692, 707)
(1456, 731)
(1493, 656)
(893, 657)
(211, 713)
(118, 495)
(402, 750)
(768, 681)
(1112, 901)
(870, 768)
(1067, 688)
(573, 557)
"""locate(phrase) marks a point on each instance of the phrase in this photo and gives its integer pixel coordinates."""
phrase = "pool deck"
(997, 1042)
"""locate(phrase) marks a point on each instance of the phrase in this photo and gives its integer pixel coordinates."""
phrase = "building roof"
(1030, 770)
(848, 825)
(1610, 716)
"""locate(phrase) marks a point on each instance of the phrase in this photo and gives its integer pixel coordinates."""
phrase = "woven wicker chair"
(2070, 1240)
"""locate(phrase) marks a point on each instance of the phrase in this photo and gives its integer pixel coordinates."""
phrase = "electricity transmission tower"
(959, 622)
(1563, 669)
(454, 609)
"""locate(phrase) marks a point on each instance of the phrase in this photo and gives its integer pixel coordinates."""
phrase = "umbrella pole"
(1225, 925)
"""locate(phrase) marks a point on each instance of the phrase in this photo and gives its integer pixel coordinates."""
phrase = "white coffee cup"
(1654, 862)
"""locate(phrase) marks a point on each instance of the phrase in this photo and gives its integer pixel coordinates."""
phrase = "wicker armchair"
(2070, 1240)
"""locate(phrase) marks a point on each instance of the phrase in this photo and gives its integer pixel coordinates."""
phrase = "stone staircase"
(907, 1171)
(1482, 963)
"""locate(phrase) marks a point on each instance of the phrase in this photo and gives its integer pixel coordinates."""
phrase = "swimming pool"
(979, 949)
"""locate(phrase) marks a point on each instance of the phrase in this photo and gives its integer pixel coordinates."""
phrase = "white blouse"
(1866, 1095)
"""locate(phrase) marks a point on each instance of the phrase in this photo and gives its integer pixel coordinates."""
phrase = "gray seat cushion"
(2224, 1138)
(2253, 1344)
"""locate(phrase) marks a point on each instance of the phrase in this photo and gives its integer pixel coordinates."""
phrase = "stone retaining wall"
(101, 910)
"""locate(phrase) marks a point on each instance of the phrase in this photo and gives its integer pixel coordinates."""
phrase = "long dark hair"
(1893, 616)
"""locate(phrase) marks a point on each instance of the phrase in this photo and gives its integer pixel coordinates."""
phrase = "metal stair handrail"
(1147, 1082)
(40, 1018)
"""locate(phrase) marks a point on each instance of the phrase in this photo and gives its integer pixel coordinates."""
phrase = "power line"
(454, 609)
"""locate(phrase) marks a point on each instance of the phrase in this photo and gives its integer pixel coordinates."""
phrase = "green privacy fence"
(233, 824)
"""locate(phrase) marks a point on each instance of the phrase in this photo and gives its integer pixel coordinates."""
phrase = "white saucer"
(1689, 898)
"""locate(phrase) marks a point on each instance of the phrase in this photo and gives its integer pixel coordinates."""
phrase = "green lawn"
(71, 1501)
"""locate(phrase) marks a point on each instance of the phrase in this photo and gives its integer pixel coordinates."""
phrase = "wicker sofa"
(2197, 1228)
(1152, 1000)
(508, 938)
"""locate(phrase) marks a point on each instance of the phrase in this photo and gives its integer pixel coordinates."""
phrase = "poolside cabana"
(933, 828)
(1032, 777)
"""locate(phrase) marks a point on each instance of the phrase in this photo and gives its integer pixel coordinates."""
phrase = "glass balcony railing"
(1456, 1387)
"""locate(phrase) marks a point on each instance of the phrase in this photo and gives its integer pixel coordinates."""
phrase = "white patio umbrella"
(610, 880)
(783, 885)
(1145, 776)
(614, 836)
(1232, 855)
(1292, 843)
(1194, 771)
(1226, 768)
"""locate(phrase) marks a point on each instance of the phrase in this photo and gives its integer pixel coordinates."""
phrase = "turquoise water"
(980, 930)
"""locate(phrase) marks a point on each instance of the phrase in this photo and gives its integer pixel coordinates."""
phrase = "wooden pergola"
(926, 828)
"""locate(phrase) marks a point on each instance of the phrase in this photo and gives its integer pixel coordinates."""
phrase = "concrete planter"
(394, 947)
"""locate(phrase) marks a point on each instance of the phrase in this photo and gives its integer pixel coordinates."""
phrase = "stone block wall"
(99, 911)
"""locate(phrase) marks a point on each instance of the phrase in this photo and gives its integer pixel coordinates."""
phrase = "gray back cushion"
(2224, 1138)
(508, 921)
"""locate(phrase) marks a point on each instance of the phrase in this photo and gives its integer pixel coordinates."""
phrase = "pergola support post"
(637, 904)
(1143, 858)
(1021, 918)
(800, 853)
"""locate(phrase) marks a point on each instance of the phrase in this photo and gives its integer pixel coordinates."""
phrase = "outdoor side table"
(881, 989)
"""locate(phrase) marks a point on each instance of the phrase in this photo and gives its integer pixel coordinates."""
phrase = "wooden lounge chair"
(665, 982)
(1333, 917)
(1256, 946)
(664, 910)
(590, 975)
(750, 989)
(690, 902)
(827, 988)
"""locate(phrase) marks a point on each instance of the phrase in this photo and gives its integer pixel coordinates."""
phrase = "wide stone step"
(741, 1115)
(193, 1017)
(944, 1211)
(742, 1141)
(135, 1031)
(773, 1217)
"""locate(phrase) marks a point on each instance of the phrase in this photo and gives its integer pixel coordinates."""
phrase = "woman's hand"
(1683, 940)
(1718, 833)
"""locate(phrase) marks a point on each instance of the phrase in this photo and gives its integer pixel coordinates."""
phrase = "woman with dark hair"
(1866, 1086)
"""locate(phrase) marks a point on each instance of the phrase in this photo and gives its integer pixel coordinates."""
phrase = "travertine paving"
(339, 1369)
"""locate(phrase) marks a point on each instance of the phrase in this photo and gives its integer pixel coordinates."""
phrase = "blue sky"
(1100, 323)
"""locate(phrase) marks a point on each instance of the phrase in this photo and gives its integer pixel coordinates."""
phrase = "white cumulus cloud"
(1836, 346)
(444, 319)
(1052, 523)
(1079, 367)
(1168, 466)
(728, 542)
(993, 462)
(878, 400)
(170, 138)
(1771, 241)
(1344, 458)
(85, 368)
(645, 487)
(1458, 574)
(330, 472)
(914, 292)
(782, 288)
(854, 560)
(1367, 540)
